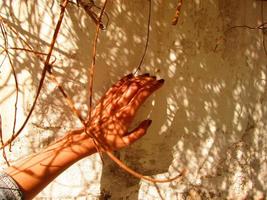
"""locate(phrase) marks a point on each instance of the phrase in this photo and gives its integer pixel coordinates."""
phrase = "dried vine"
(92, 67)
(88, 8)
(147, 38)
(47, 68)
(177, 12)
(5, 37)
(2, 142)
(262, 27)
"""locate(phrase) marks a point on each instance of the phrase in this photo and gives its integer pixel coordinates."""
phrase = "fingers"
(143, 94)
(109, 95)
(128, 86)
(131, 90)
(117, 141)
(122, 92)
(114, 89)
(136, 134)
(133, 87)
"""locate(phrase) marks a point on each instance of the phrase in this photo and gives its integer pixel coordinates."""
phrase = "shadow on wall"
(208, 118)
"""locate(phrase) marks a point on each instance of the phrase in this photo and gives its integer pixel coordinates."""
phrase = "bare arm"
(111, 119)
(34, 173)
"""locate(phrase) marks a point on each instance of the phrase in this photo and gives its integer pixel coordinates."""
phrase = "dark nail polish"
(149, 121)
(161, 81)
(129, 75)
(145, 74)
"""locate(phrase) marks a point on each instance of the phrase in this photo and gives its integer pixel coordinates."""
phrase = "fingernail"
(149, 121)
(161, 81)
(145, 74)
(129, 75)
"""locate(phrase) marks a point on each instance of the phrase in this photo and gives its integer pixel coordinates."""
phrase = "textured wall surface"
(209, 118)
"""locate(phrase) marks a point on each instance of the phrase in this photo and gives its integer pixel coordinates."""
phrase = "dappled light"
(208, 119)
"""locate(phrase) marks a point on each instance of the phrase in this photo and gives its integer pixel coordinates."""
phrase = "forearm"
(37, 171)
(110, 120)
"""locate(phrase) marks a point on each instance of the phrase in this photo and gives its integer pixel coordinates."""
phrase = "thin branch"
(177, 12)
(2, 142)
(29, 50)
(88, 6)
(91, 77)
(263, 29)
(4, 34)
(45, 69)
(66, 97)
(47, 66)
(51, 75)
(16, 100)
(3, 60)
(97, 142)
(140, 176)
(92, 67)
(147, 38)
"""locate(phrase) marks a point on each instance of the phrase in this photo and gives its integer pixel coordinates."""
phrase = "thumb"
(137, 133)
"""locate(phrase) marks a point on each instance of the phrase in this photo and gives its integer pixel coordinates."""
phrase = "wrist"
(80, 143)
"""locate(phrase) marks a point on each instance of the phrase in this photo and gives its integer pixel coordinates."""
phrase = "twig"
(263, 29)
(51, 75)
(2, 142)
(32, 51)
(47, 66)
(177, 12)
(138, 175)
(91, 77)
(3, 60)
(16, 100)
(147, 38)
(4, 34)
(45, 69)
(87, 6)
(92, 67)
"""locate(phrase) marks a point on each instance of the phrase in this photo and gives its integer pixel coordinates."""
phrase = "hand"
(115, 111)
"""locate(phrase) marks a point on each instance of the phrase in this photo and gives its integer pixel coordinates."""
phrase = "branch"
(147, 38)
(4, 34)
(45, 69)
(177, 12)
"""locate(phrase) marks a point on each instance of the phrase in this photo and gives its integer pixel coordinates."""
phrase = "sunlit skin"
(110, 121)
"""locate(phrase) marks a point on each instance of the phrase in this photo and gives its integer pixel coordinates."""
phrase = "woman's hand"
(112, 116)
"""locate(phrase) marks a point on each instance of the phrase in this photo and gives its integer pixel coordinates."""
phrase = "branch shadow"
(208, 118)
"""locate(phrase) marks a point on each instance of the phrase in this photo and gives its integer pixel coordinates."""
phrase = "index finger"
(143, 94)
(109, 94)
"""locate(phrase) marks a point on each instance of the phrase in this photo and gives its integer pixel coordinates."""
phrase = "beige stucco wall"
(209, 118)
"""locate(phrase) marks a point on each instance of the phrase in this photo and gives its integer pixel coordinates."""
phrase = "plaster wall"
(209, 118)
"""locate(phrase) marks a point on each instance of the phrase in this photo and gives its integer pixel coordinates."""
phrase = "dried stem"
(2, 142)
(92, 67)
(5, 37)
(147, 38)
(177, 12)
(51, 75)
(16, 100)
(88, 6)
(45, 69)
(262, 27)
(140, 176)
(91, 77)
